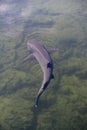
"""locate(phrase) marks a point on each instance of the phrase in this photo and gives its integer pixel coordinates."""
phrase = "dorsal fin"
(52, 76)
(49, 65)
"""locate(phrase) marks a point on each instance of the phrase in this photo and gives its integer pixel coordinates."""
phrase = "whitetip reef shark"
(42, 55)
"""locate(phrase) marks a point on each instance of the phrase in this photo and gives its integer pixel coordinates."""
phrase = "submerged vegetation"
(63, 106)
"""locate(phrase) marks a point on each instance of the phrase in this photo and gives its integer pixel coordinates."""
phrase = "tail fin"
(44, 86)
(38, 96)
(37, 99)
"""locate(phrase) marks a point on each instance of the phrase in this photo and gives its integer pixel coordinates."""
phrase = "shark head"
(29, 45)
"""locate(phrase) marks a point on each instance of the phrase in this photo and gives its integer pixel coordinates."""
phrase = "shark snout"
(28, 46)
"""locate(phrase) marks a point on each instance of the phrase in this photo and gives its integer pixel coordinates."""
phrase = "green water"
(61, 24)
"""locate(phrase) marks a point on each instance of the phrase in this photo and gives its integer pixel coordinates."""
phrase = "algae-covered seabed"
(61, 24)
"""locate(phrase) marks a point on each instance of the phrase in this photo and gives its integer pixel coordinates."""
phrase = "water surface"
(61, 24)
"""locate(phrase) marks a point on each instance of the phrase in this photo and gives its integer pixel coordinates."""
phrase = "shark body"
(42, 55)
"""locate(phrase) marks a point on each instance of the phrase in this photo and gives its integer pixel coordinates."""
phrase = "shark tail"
(40, 93)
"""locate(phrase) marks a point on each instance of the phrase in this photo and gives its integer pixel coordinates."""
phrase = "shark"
(43, 56)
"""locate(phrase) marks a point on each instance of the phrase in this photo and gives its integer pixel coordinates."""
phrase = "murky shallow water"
(62, 24)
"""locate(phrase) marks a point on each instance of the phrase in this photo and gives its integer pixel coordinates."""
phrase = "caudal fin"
(36, 102)
(38, 96)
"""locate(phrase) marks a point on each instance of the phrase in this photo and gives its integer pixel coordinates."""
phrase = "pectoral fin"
(30, 57)
(52, 50)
